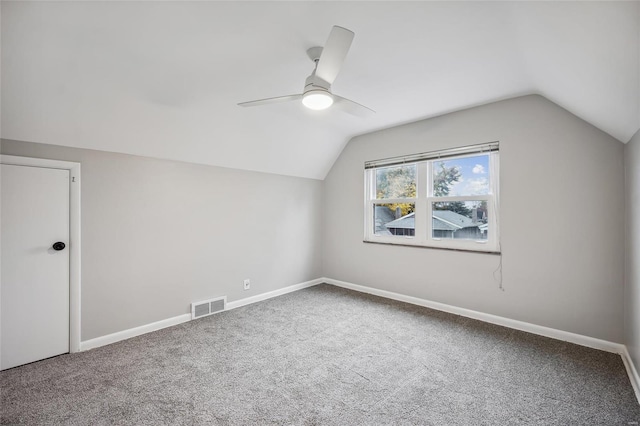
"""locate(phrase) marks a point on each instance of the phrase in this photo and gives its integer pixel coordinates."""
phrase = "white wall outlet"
(247, 284)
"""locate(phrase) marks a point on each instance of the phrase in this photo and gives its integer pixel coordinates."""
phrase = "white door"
(34, 286)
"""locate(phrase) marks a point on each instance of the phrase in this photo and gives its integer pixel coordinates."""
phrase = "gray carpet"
(325, 355)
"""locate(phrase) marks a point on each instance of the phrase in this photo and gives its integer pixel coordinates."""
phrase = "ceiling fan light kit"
(317, 100)
(317, 90)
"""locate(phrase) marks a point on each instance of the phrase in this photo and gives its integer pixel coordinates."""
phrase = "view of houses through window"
(433, 200)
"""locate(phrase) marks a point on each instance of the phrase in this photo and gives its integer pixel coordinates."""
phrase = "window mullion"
(421, 201)
(394, 201)
(461, 198)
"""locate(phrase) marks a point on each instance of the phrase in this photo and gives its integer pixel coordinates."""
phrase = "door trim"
(74, 235)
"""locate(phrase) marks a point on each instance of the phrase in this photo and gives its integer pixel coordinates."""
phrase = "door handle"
(59, 246)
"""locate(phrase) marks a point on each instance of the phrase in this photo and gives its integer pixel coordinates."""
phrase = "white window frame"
(424, 199)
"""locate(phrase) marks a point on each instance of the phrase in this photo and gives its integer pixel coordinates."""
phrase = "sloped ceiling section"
(162, 79)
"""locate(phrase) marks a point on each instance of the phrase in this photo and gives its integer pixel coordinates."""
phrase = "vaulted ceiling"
(163, 79)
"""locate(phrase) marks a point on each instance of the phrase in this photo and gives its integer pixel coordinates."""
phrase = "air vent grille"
(208, 307)
(216, 306)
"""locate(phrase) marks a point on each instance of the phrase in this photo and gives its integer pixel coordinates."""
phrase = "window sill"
(434, 247)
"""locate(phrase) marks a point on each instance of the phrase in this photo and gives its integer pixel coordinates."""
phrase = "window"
(446, 199)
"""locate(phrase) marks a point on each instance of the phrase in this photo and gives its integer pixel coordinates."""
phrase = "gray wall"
(157, 235)
(632, 267)
(562, 220)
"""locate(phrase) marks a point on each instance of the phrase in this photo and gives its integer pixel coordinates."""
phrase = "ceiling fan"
(317, 87)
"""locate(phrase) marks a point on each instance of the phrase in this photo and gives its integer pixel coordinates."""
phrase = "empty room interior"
(320, 213)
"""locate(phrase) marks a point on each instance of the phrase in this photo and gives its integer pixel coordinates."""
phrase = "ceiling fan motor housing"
(313, 82)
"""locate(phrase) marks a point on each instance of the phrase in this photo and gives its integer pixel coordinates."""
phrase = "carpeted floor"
(325, 355)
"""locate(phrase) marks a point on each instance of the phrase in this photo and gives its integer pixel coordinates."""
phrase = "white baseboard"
(148, 328)
(133, 332)
(566, 336)
(274, 293)
(632, 372)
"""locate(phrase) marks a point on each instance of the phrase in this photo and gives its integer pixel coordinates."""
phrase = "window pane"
(460, 220)
(394, 219)
(461, 176)
(396, 182)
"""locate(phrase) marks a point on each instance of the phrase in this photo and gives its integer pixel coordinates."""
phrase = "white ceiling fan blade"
(352, 107)
(333, 53)
(270, 100)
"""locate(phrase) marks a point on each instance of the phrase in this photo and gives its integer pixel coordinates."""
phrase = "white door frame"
(74, 235)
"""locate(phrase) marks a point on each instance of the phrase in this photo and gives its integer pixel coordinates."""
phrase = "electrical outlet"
(247, 284)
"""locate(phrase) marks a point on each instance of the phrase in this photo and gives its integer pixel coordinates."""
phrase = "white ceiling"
(162, 79)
